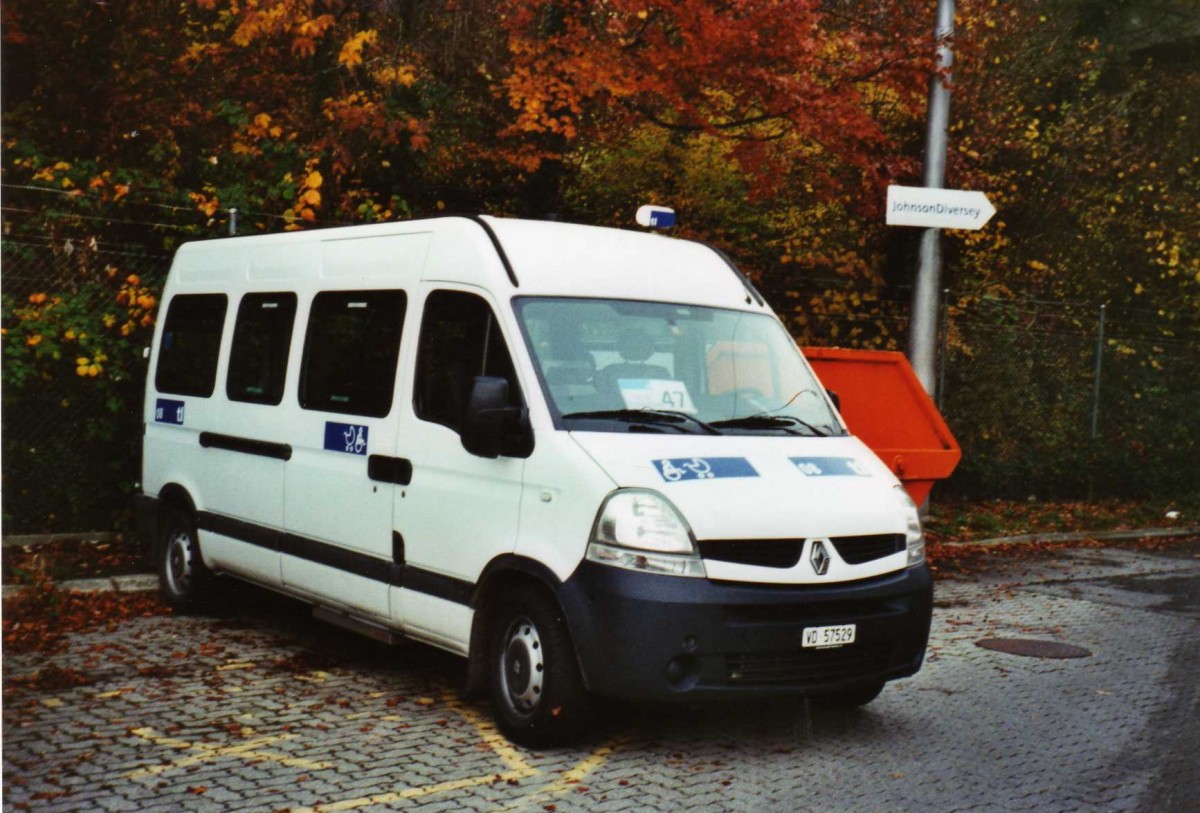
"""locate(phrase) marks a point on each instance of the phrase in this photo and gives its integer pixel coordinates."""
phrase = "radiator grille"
(785, 553)
(805, 667)
(855, 550)
(781, 553)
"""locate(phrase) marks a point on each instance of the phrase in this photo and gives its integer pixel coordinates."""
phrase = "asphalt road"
(263, 708)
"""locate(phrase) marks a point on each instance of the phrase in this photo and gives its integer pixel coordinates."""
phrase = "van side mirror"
(492, 428)
(837, 402)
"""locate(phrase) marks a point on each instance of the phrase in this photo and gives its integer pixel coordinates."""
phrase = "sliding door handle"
(384, 469)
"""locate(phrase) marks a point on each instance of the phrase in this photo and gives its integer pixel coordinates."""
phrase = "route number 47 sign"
(656, 393)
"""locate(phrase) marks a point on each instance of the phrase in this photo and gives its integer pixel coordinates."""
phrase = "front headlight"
(641, 530)
(914, 538)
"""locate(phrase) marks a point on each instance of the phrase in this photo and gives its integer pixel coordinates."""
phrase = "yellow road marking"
(568, 779)
(206, 752)
(518, 768)
(314, 677)
(229, 667)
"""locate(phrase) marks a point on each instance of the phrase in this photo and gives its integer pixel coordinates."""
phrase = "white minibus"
(590, 461)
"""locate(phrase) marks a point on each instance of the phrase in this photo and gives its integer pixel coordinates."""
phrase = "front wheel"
(182, 577)
(537, 692)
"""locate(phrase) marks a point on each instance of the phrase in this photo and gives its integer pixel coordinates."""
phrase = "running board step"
(374, 631)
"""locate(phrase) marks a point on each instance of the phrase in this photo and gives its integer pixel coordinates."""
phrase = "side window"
(350, 352)
(190, 345)
(258, 359)
(459, 340)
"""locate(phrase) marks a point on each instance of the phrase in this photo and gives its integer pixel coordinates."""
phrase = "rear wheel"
(182, 577)
(537, 692)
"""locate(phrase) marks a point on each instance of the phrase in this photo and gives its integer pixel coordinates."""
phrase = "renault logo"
(819, 557)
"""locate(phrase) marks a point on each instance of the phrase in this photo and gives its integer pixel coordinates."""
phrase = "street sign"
(937, 208)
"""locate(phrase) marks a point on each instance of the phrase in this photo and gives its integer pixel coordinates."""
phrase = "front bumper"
(646, 636)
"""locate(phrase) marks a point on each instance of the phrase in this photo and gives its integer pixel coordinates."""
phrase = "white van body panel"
(462, 254)
(441, 534)
(328, 498)
(560, 259)
(780, 502)
(434, 620)
(563, 491)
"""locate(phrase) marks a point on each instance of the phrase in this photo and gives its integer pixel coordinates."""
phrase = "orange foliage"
(756, 72)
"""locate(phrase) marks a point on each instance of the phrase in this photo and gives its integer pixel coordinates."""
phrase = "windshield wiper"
(647, 416)
(784, 422)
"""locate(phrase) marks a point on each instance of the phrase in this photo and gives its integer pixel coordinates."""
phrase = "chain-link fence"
(1019, 384)
(72, 431)
(1072, 401)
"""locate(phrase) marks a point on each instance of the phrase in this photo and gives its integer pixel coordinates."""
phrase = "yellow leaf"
(312, 197)
(351, 54)
(314, 180)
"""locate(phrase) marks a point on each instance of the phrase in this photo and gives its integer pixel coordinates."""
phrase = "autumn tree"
(1080, 120)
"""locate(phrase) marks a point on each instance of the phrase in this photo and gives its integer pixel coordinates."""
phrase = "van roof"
(567, 259)
(546, 258)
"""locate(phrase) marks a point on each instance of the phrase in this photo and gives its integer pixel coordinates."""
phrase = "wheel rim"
(522, 672)
(179, 563)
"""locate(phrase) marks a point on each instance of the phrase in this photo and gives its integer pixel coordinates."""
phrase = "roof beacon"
(656, 217)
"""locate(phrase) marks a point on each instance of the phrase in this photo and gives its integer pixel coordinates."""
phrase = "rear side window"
(191, 344)
(459, 340)
(350, 352)
(262, 337)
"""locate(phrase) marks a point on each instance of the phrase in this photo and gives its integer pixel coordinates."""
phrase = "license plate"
(828, 637)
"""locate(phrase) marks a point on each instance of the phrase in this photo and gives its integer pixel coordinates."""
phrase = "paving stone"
(136, 583)
(312, 715)
(89, 585)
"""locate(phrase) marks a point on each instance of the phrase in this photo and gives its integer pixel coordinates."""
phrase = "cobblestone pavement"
(264, 709)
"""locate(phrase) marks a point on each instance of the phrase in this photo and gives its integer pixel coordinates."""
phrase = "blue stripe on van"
(678, 469)
(830, 467)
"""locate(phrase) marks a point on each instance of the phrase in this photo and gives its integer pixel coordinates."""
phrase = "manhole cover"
(1033, 649)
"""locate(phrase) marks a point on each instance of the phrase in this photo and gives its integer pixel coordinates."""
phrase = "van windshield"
(621, 366)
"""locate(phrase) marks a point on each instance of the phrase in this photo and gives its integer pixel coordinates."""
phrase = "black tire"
(537, 693)
(183, 579)
(850, 698)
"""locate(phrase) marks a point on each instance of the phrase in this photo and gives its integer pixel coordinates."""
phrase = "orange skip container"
(886, 407)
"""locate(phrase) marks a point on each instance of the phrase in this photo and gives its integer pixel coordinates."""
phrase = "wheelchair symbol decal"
(350, 438)
(679, 469)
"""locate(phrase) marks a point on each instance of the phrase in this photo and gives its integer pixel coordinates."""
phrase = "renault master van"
(590, 461)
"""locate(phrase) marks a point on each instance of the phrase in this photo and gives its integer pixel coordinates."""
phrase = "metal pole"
(233, 222)
(922, 341)
(943, 345)
(1096, 382)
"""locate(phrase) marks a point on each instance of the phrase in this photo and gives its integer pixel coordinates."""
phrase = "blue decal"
(345, 437)
(830, 467)
(662, 219)
(168, 411)
(676, 469)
